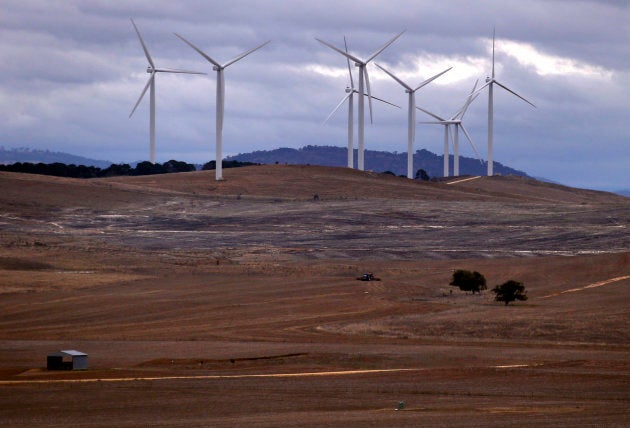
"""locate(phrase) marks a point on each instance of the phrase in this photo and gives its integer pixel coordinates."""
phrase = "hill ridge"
(300, 183)
(375, 160)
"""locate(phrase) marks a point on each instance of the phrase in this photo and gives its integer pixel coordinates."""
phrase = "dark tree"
(469, 281)
(209, 166)
(226, 164)
(509, 292)
(421, 174)
(178, 166)
(148, 168)
(116, 170)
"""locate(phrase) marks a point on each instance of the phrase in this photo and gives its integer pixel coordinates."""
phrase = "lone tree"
(509, 292)
(469, 281)
(421, 174)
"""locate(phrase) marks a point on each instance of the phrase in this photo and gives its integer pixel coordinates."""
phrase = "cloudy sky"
(72, 70)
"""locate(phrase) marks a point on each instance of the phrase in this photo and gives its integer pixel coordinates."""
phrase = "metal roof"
(70, 352)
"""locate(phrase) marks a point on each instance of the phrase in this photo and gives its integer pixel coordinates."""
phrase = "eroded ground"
(242, 309)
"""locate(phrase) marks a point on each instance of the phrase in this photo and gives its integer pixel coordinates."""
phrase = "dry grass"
(198, 308)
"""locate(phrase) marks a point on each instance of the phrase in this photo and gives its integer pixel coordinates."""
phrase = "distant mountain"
(374, 160)
(378, 161)
(11, 156)
(624, 192)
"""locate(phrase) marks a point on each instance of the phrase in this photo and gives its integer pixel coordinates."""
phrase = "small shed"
(67, 360)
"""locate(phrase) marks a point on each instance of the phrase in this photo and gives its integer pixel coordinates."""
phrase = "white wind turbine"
(151, 69)
(411, 114)
(456, 122)
(220, 100)
(490, 82)
(350, 91)
(363, 77)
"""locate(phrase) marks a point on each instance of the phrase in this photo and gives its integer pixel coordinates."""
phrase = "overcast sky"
(72, 70)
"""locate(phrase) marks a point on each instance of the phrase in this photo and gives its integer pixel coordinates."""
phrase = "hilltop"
(296, 182)
(324, 211)
(303, 182)
(378, 161)
(25, 154)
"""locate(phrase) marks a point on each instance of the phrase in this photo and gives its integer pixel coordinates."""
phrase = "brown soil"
(235, 303)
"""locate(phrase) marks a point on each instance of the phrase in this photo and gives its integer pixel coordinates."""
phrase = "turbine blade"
(470, 141)
(430, 114)
(384, 101)
(404, 85)
(494, 30)
(244, 54)
(348, 60)
(175, 70)
(469, 101)
(475, 94)
(488, 83)
(509, 90)
(431, 79)
(144, 47)
(336, 108)
(382, 48)
(474, 87)
(144, 91)
(347, 55)
(199, 51)
(369, 92)
(459, 114)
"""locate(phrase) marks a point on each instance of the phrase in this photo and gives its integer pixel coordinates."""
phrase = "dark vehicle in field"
(368, 276)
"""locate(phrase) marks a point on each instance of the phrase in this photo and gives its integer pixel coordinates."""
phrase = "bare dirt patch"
(235, 303)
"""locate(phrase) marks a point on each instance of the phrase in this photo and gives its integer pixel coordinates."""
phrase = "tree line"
(58, 169)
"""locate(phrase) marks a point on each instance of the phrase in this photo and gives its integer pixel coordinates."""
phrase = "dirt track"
(231, 305)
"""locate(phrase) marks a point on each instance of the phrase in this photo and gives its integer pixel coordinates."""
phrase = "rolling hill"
(378, 161)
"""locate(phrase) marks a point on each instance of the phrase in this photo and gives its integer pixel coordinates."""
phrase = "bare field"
(236, 304)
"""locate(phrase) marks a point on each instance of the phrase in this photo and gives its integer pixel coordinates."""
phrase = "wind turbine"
(363, 77)
(220, 100)
(490, 82)
(152, 70)
(411, 113)
(456, 122)
(350, 91)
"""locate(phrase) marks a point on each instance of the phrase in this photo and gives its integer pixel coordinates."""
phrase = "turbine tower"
(152, 70)
(363, 80)
(490, 82)
(456, 122)
(220, 100)
(411, 114)
(350, 91)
